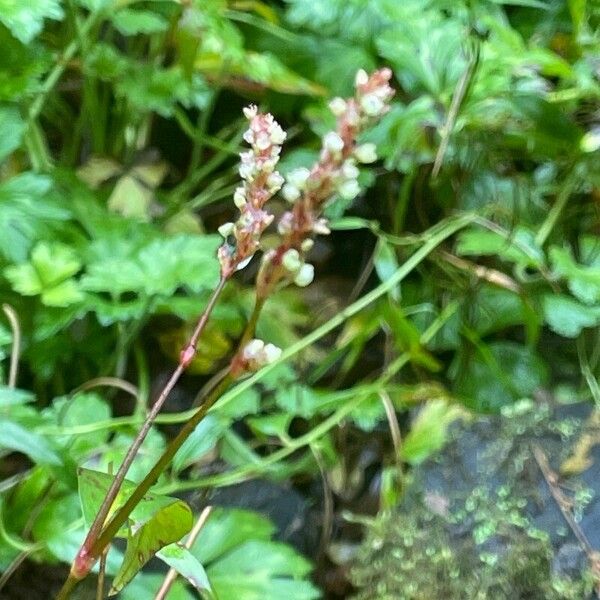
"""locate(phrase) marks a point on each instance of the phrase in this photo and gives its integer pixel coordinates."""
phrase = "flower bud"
(338, 106)
(333, 142)
(226, 229)
(372, 105)
(349, 189)
(274, 181)
(298, 177)
(291, 260)
(307, 245)
(320, 226)
(361, 78)
(271, 353)
(349, 169)
(239, 197)
(290, 193)
(305, 275)
(366, 153)
(250, 111)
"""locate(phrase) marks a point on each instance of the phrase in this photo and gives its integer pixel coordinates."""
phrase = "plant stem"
(123, 513)
(13, 319)
(84, 558)
(172, 574)
(553, 215)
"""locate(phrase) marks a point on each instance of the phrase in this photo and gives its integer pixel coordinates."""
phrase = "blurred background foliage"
(119, 132)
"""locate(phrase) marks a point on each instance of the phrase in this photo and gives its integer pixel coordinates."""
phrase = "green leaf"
(583, 280)
(519, 248)
(12, 396)
(48, 274)
(203, 439)
(12, 128)
(386, 264)
(133, 22)
(498, 374)
(188, 566)
(566, 316)
(428, 431)
(13, 436)
(145, 585)
(25, 19)
(27, 213)
(261, 570)
(93, 486)
(226, 529)
(169, 524)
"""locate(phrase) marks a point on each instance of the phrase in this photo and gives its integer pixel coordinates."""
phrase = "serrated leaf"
(188, 566)
(26, 19)
(583, 280)
(568, 317)
(169, 524)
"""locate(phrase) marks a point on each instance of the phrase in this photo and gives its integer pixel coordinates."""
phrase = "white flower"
(361, 78)
(305, 275)
(333, 142)
(298, 177)
(277, 134)
(263, 141)
(244, 263)
(349, 169)
(372, 104)
(226, 229)
(252, 349)
(239, 197)
(320, 227)
(250, 111)
(274, 181)
(366, 153)
(291, 260)
(290, 192)
(271, 353)
(338, 106)
(349, 189)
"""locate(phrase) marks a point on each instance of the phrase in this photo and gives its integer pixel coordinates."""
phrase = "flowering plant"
(308, 191)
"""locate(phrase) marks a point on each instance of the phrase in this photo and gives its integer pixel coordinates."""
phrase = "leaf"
(25, 19)
(520, 248)
(14, 436)
(48, 274)
(226, 529)
(133, 22)
(169, 524)
(261, 570)
(188, 566)
(428, 431)
(26, 214)
(12, 128)
(13, 396)
(131, 198)
(583, 280)
(93, 486)
(498, 374)
(568, 317)
(201, 440)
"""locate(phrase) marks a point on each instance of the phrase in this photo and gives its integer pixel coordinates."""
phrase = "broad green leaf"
(228, 528)
(93, 486)
(568, 317)
(145, 585)
(428, 431)
(12, 128)
(169, 524)
(202, 440)
(188, 566)
(261, 570)
(13, 396)
(14, 436)
(25, 19)
(497, 374)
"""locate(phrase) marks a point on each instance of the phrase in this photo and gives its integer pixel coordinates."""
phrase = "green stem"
(556, 210)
